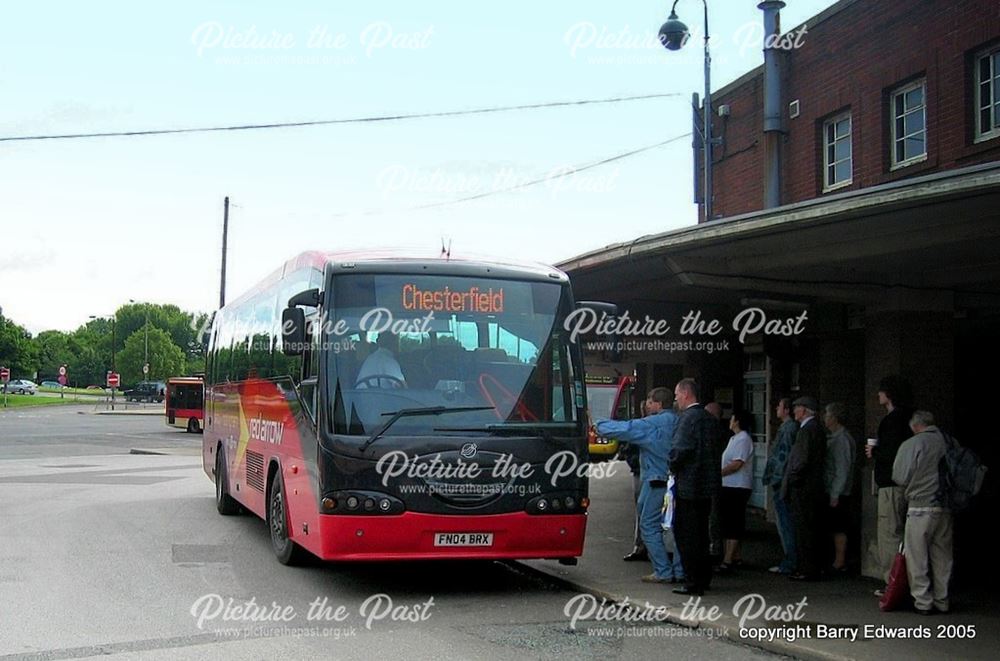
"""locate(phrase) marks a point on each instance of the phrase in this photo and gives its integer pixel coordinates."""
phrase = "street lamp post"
(113, 318)
(673, 35)
(145, 334)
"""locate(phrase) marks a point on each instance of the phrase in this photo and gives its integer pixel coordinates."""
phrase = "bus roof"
(400, 259)
(185, 379)
(416, 257)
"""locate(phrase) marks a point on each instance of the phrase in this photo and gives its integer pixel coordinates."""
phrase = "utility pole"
(225, 237)
(114, 318)
(145, 365)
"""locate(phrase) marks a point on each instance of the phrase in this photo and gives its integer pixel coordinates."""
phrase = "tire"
(193, 426)
(287, 551)
(225, 503)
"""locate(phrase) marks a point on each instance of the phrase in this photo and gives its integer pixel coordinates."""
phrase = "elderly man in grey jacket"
(927, 536)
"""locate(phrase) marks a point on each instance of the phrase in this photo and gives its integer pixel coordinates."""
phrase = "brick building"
(886, 234)
(907, 87)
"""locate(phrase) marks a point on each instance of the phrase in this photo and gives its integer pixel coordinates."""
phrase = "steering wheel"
(375, 381)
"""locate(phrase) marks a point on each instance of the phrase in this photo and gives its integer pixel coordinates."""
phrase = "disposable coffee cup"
(872, 442)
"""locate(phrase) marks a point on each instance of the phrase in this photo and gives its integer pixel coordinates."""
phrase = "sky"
(86, 225)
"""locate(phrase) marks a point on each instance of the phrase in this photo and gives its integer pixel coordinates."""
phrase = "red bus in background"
(608, 398)
(379, 407)
(184, 403)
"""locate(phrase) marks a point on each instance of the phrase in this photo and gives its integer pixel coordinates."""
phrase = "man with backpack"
(927, 536)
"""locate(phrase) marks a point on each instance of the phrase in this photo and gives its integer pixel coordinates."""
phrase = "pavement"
(796, 613)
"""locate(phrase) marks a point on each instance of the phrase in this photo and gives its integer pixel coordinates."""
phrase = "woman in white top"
(737, 483)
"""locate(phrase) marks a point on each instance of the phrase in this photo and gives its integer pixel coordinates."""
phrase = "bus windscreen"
(492, 351)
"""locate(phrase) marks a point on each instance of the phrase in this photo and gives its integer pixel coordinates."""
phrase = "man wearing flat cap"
(803, 488)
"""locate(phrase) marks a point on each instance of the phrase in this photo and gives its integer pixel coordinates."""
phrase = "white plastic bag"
(667, 521)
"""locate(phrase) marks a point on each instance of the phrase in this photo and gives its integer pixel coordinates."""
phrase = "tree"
(54, 350)
(17, 350)
(87, 368)
(94, 342)
(165, 358)
(169, 318)
(87, 351)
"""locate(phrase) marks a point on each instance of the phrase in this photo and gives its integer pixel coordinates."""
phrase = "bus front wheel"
(193, 426)
(225, 503)
(287, 551)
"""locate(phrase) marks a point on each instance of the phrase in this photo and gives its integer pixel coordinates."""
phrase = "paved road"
(72, 431)
(106, 554)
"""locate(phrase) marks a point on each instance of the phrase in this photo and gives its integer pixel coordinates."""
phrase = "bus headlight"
(555, 504)
(361, 503)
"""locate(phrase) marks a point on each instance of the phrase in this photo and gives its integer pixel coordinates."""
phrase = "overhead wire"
(330, 122)
(569, 172)
(552, 177)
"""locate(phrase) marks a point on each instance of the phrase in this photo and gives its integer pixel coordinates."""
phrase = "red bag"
(897, 591)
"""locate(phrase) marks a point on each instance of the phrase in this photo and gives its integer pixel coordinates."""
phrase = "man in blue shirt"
(652, 435)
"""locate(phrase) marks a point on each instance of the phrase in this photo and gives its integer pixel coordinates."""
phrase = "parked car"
(147, 391)
(94, 386)
(50, 384)
(21, 387)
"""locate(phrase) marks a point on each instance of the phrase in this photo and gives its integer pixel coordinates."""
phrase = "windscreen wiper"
(543, 429)
(406, 413)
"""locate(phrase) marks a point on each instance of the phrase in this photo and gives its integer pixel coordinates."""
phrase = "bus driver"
(381, 369)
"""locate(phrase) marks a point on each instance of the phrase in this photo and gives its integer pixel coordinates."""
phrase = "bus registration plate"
(463, 539)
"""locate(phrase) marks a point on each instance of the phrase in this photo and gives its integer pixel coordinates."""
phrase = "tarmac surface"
(108, 554)
(111, 536)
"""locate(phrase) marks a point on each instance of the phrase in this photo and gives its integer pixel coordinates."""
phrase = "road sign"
(62, 371)
(145, 368)
(113, 379)
(4, 374)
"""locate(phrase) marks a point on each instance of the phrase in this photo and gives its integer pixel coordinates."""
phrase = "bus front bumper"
(603, 450)
(414, 535)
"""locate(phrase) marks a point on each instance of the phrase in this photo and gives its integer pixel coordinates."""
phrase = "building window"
(837, 161)
(909, 124)
(987, 84)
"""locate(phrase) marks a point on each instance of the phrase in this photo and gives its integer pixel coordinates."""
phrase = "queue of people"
(810, 477)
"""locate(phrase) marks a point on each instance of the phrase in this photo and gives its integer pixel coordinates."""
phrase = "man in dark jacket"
(804, 488)
(894, 428)
(697, 476)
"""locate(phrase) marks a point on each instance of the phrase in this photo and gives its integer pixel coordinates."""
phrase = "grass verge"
(24, 401)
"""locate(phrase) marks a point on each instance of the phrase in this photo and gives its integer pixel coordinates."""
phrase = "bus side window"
(310, 367)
